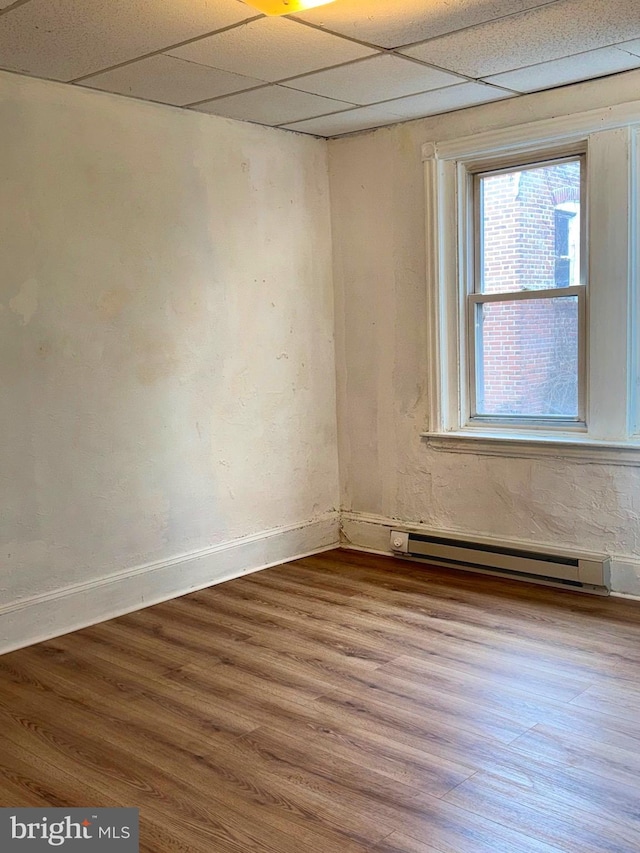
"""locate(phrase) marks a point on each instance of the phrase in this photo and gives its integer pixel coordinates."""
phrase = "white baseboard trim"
(366, 532)
(52, 614)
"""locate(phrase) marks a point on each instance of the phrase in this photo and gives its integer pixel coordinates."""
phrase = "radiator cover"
(586, 572)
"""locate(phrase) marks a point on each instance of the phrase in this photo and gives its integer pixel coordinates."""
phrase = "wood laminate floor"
(343, 703)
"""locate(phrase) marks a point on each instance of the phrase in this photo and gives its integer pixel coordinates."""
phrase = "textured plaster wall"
(377, 193)
(166, 334)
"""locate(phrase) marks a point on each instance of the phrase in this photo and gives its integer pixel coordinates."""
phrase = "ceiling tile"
(271, 105)
(170, 81)
(390, 23)
(272, 49)
(362, 118)
(550, 32)
(66, 39)
(375, 79)
(558, 72)
(444, 100)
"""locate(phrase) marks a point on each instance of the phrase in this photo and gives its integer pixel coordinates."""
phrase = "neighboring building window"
(568, 237)
(525, 318)
(562, 272)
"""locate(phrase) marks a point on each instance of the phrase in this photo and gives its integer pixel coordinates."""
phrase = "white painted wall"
(387, 472)
(166, 341)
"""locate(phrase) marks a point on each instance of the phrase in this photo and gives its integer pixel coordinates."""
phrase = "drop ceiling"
(347, 66)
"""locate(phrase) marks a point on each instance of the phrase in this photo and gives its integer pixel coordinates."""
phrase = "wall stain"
(112, 302)
(25, 302)
(44, 349)
(158, 358)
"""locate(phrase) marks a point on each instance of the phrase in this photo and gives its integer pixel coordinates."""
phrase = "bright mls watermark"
(37, 830)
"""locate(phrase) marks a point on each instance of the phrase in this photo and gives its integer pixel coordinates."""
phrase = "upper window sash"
(474, 196)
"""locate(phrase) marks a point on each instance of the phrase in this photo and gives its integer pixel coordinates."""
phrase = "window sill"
(530, 446)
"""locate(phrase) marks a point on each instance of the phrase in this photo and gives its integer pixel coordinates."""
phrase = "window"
(526, 307)
(532, 279)
(567, 244)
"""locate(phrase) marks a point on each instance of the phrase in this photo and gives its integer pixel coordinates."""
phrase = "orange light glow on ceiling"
(285, 7)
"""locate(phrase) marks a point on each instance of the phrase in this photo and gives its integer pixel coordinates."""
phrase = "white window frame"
(610, 141)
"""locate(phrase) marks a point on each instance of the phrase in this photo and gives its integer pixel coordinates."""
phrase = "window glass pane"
(527, 357)
(530, 228)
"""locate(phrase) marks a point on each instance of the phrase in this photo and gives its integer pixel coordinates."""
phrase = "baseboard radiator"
(587, 573)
